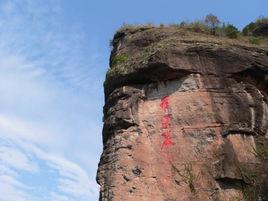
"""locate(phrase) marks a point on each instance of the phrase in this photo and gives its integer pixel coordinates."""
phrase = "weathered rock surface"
(185, 118)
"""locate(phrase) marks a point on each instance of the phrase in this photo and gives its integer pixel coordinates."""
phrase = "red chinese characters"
(165, 122)
(164, 104)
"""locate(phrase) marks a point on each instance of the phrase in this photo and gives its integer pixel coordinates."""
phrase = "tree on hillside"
(257, 28)
(212, 22)
(231, 31)
(247, 30)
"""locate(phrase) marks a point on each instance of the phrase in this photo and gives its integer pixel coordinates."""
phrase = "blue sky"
(53, 59)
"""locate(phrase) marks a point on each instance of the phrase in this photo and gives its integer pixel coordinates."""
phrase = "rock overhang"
(151, 54)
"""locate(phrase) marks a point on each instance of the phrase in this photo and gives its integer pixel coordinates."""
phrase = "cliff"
(185, 118)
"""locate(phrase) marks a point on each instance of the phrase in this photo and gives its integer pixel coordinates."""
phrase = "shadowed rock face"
(207, 97)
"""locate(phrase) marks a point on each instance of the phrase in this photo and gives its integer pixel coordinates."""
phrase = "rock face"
(185, 118)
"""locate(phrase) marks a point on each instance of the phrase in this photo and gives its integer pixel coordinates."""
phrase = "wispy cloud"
(19, 157)
(33, 31)
(47, 81)
(17, 160)
(11, 192)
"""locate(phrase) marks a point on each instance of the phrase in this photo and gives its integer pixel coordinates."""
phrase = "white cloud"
(57, 197)
(5, 170)
(48, 114)
(17, 160)
(11, 188)
(72, 180)
(17, 127)
(12, 193)
(8, 180)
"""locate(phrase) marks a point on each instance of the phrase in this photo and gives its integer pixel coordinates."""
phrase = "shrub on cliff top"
(259, 27)
(196, 26)
(231, 31)
(247, 30)
(212, 22)
(262, 20)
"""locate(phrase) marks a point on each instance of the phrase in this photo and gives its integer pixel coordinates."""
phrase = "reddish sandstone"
(205, 140)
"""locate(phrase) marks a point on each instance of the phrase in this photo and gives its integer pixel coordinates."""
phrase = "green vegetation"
(253, 175)
(249, 29)
(122, 63)
(231, 31)
(210, 25)
(196, 26)
(187, 175)
(212, 21)
(261, 150)
(251, 189)
(255, 40)
(254, 178)
(148, 40)
(262, 19)
(119, 59)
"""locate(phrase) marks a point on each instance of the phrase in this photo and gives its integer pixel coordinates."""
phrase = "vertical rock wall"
(187, 121)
